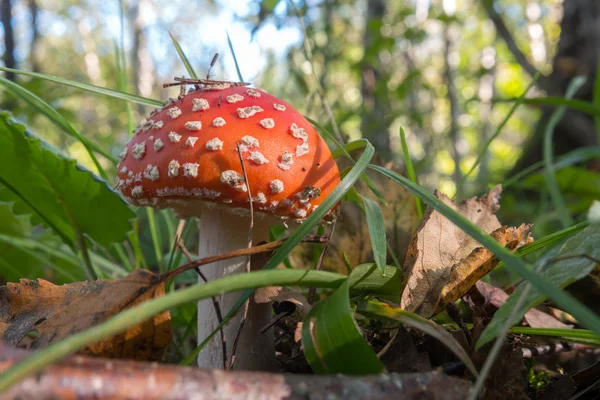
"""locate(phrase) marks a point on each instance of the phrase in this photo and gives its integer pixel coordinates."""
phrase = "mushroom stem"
(221, 231)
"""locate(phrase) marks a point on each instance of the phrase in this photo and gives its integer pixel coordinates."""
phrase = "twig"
(247, 303)
(531, 352)
(312, 290)
(389, 344)
(187, 254)
(196, 82)
(212, 64)
(263, 248)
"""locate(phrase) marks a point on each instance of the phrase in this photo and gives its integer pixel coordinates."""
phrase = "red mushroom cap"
(186, 153)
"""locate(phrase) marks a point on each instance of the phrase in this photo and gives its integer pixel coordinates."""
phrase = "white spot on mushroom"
(147, 125)
(190, 170)
(138, 150)
(253, 92)
(267, 123)
(124, 170)
(193, 125)
(173, 169)
(248, 111)
(300, 212)
(137, 191)
(158, 144)
(248, 142)
(299, 133)
(130, 174)
(138, 177)
(260, 198)
(157, 125)
(258, 158)
(174, 137)
(174, 112)
(143, 202)
(151, 172)
(191, 141)
(286, 161)
(276, 186)
(218, 122)
(205, 193)
(150, 138)
(234, 98)
(214, 144)
(217, 86)
(123, 154)
(279, 107)
(169, 101)
(199, 105)
(227, 201)
(234, 179)
(302, 149)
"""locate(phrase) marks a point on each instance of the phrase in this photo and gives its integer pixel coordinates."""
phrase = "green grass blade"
(295, 238)
(332, 341)
(410, 170)
(573, 157)
(128, 318)
(574, 104)
(553, 188)
(582, 313)
(183, 57)
(117, 94)
(156, 243)
(235, 60)
(345, 149)
(46, 109)
(376, 227)
(582, 336)
(517, 102)
(596, 101)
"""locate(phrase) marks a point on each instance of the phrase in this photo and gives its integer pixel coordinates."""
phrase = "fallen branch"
(86, 378)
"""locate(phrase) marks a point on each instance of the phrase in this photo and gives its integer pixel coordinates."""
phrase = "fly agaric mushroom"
(185, 156)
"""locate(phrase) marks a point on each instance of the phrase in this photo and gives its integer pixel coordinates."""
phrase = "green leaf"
(568, 267)
(395, 313)
(333, 343)
(549, 173)
(183, 57)
(376, 227)
(582, 313)
(46, 109)
(117, 94)
(67, 197)
(133, 316)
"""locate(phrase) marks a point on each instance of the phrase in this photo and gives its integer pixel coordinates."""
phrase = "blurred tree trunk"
(9, 37)
(35, 35)
(577, 55)
(374, 125)
(454, 134)
(142, 65)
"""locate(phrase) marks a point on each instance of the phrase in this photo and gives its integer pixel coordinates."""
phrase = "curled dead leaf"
(57, 312)
(535, 318)
(443, 262)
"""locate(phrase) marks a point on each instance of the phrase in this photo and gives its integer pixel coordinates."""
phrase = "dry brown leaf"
(443, 262)
(535, 318)
(57, 312)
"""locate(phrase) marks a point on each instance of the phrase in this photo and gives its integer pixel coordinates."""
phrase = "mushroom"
(185, 157)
